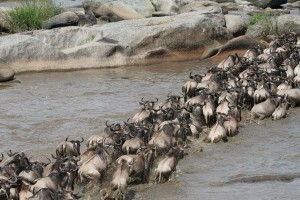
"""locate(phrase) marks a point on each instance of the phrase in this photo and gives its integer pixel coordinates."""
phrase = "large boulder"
(287, 23)
(236, 25)
(128, 9)
(6, 74)
(113, 11)
(182, 36)
(64, 19)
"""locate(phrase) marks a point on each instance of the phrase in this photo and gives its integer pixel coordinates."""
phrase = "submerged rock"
(6, 74)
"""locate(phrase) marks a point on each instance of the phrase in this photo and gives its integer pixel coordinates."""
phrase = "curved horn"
(131, 135)
(67, 138)
(48, 160)
(10, 153)
(118, 143)
(82, 140)
(191, 77)
(55, 157)
(156, 100)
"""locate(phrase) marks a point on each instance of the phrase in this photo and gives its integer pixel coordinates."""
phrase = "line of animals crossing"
(147, 148)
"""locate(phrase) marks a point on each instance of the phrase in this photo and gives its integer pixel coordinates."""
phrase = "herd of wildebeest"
(147, 148)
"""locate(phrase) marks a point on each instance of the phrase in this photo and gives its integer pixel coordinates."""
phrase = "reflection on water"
(44, 108)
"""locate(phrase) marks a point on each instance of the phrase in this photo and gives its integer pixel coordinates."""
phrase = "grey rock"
(90, 17)
(113, 11)
(83, 21)
(287, 23)
(64, 19)
(199, 5)
(256, 31)
(132, 8)
(236, 25)
(169, 7)
(111, 44)
(6, 74)
(293, 4)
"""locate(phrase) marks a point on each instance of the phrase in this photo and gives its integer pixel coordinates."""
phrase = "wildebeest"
(120, 180)
(217, 132)
(168, 165)
(264, 109)
(68, 148)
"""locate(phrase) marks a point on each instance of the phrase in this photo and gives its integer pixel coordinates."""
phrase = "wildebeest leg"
(225, 139)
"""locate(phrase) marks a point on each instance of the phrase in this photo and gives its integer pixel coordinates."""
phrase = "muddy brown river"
(261, 162)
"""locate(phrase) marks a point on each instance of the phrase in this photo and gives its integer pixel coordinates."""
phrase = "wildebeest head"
(196, 77)
(148, 105)
(112, 129)
(68, 164)
(19, 160)
(76, 144)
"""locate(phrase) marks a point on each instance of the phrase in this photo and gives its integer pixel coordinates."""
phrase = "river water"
(44, 108)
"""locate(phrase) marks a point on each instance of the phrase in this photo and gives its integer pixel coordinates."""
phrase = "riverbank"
(196, 30)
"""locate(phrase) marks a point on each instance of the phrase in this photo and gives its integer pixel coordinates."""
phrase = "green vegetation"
(30, 15)
(269, 23)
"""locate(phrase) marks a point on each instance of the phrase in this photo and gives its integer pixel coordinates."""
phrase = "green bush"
(30, 15)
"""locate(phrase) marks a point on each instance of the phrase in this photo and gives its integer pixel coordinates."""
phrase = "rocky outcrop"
(112, 45)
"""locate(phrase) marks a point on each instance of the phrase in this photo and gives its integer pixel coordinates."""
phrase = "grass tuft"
(30, 15)
(269, 22)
